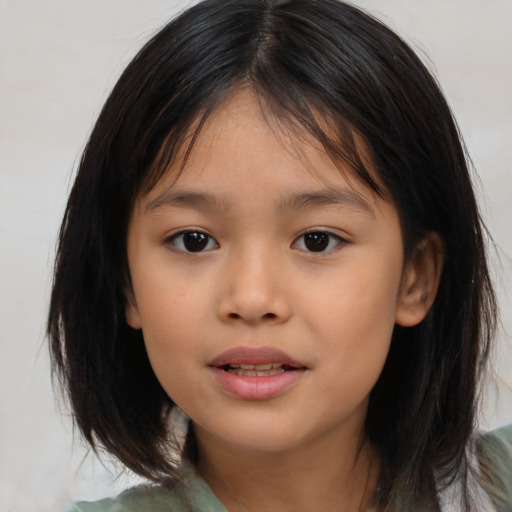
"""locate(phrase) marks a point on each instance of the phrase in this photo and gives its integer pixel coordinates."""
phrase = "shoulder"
(191, 494)
(496, 446)
(138, 498)
(494, 451)
(504, 436)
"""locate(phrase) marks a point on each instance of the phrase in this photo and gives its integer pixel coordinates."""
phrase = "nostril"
(267, 316)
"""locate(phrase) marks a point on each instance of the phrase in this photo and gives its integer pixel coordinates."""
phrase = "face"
(266, 283)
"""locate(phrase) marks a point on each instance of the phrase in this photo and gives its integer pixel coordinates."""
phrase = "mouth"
(255, 362)
(257, 370)
(260, 373)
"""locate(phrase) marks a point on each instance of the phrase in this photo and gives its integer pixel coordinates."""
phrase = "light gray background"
(58, 61)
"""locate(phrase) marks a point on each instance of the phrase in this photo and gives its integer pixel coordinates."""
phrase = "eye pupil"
(316, 242)
(194, 241)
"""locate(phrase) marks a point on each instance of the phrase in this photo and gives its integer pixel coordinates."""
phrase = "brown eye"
(193, 241)
(317, 241)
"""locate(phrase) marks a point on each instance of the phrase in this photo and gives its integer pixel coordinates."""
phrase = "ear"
(131, 310)
(420, 281)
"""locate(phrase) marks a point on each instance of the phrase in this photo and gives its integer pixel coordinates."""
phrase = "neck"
(321, 476)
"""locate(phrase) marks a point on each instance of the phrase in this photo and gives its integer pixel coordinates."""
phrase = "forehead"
(242, 138)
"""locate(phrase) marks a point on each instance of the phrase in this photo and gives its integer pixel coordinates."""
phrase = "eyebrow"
(300, 201)
(326, 197)
(187, 199)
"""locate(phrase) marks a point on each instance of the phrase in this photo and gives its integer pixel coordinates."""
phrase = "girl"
(273, 233)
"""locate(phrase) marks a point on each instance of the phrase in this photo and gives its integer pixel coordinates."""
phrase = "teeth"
(256, 370)
(264, 367)
(241, 372)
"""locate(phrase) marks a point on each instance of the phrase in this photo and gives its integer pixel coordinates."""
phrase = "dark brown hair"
(306, 60)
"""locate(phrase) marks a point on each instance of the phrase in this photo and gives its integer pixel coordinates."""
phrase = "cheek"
(168, 302)
(356, 305)
(172, 314)
(171, 323)
(172, 336)
(353, 318)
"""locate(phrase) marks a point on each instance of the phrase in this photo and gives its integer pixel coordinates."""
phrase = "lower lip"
(257, 388)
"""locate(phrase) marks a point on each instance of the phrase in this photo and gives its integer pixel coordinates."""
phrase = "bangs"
(294, 117)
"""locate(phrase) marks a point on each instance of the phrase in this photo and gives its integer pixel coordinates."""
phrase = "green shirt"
(494, 452)
(191, 495)
(194, 495)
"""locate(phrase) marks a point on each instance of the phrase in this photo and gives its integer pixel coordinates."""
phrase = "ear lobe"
(420, 281)
(131, 311)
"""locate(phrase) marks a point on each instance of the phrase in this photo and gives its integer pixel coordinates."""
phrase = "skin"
(256, 284)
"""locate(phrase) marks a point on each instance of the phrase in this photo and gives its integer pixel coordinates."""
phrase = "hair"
(312, 64)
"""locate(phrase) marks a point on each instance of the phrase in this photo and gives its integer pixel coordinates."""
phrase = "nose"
(254, 289)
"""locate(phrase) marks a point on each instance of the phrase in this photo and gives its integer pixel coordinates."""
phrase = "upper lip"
(254, 355)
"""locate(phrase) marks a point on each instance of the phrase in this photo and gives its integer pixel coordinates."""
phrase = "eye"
(317, 241)
(192, 241)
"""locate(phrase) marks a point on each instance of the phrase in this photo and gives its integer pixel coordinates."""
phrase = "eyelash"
(331, 238)
(317, 236)
(177, 240)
